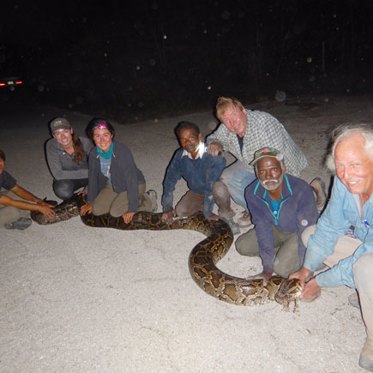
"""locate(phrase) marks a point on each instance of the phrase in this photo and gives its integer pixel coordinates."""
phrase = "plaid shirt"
(262, 130)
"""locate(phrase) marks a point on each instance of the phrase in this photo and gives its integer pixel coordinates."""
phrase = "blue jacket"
(342, 212)
(125, 176)
(199, 173)
(296, 211)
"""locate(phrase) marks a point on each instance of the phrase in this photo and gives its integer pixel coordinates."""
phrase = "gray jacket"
(61, 164)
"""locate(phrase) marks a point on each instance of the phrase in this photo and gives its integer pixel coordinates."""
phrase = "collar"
(263, 193)
(201, 150)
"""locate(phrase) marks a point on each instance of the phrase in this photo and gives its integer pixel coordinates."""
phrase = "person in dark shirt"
(10, 206)
(199, 169)
(115, 184)
(281, 206)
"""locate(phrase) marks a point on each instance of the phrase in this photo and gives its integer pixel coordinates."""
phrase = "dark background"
(140, 59)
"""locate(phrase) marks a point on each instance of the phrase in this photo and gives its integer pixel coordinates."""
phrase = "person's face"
(353, 167)
(235, 120)
(189, 140)
(270, 173)
(102, 138)
(64, 137)
(2, 165)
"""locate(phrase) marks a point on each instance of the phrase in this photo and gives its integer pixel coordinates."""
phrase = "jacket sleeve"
(263, 230)
(330, 226)
(173, 175)
(130, 173)
(221, 136)
(55, 166)
(307, 215)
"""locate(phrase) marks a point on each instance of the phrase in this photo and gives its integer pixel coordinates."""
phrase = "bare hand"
(47, 210)
(168, 216)
(311, 291)
(127, 216)
(86, 209)
(214, 149)
(262, 275)
(213, 217)
(83, 192)
(303, 274)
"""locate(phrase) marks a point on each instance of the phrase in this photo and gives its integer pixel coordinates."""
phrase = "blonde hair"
(224, 103)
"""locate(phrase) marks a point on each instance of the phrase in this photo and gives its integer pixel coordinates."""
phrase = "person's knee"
(63, 189)
(246, 244)
(362, 269)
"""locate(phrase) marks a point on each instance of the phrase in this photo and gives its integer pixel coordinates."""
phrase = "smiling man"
(200, 170)
(343, 236)
(281, 206)
(241, 133)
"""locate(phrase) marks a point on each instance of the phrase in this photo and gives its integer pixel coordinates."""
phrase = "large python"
(202, 259)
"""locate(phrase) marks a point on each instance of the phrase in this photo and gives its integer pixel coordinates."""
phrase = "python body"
(202, 259)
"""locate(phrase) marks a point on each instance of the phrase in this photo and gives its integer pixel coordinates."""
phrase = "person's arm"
(55, 166)
(218, 140)
(173, 175)
(264, 233)
(32, 202)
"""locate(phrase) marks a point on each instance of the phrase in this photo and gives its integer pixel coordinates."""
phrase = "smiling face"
(64, 137)
(270, 172)
(189, 140)
(353, 166)
(103, 138)
(235, 119)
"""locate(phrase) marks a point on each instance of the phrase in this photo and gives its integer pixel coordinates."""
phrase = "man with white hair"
(343, 236)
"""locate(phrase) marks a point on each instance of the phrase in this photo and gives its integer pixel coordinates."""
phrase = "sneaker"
(353, 299)
(153, 199)
(235, 228)
(245, 220)
(21, 224)
(318, 187)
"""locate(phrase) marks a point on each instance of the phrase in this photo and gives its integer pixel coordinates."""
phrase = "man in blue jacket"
(343, 237)
(281, 206)
(200, 170)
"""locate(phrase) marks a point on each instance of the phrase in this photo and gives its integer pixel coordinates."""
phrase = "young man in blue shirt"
(200, 170)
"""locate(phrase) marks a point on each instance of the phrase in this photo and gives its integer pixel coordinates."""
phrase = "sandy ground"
(79, 299)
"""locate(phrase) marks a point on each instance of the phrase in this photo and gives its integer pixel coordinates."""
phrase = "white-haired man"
(343, 236)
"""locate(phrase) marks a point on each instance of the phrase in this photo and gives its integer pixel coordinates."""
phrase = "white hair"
(344, 131)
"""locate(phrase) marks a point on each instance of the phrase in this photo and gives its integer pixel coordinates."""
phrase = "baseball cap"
(59, 123)
(267, 151)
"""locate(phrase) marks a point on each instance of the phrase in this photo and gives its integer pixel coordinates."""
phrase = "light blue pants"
(237, 177)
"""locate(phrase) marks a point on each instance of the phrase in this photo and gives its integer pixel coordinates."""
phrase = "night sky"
(135, 59)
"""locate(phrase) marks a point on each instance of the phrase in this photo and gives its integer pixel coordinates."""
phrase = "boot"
(366, 355)
(318, 187)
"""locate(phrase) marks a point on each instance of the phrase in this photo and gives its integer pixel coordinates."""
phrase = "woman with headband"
(115, 184)
(67, 158)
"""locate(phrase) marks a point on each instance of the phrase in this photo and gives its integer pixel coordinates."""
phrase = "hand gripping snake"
(202, 259)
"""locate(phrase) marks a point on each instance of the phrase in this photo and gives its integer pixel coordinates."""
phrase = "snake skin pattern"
(202, 259)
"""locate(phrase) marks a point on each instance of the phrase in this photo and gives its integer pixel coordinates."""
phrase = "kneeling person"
(282, 206)
(199, 169)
